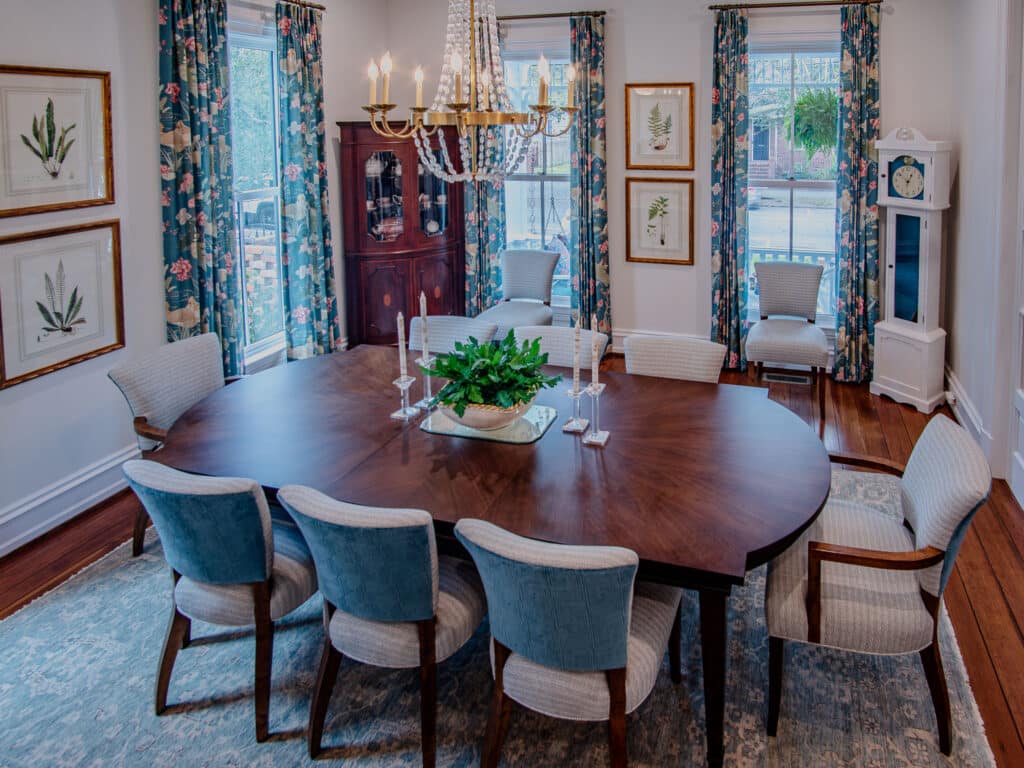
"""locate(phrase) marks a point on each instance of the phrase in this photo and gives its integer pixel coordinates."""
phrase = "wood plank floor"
(985, 597)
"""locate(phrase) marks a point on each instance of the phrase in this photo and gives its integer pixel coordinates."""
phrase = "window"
(538, 205)
(791, 197)
(253, 68)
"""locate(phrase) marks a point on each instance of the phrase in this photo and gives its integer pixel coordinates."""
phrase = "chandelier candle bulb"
(595, 362)
(385, 68)
(570, 76)
(373, 73)
(457, 70)
(544, 70)
(423, 320)
(403, 367)
(419, 87)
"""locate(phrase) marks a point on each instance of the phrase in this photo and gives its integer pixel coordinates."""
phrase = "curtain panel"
(589, 268)
(312, 325)
(729, 124)
(201, 271)
(484, 204)
(857, 195)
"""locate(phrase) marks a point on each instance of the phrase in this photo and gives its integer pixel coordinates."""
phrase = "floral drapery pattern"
(857, 195)
(589, 269)
(484, 205)
(312, 325)
(201, 272)
(729, 124)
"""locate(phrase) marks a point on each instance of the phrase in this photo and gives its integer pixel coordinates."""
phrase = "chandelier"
(480, 113)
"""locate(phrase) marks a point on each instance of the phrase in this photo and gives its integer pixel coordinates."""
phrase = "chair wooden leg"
(776, 657)
(330, 660)
(264, 657)
(932, 661)
(821, 400)
(139, 531)
(176, 630)
(186, 637)
(428, 691)
(674, 640)
(617, 717)
(760, 373)
(500, 711)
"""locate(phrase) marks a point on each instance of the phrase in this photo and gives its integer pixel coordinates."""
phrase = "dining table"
(703, 481)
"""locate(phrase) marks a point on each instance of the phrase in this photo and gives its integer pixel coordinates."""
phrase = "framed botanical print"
(55, 140)
(659, 126)
(60, 299)
(659, 221)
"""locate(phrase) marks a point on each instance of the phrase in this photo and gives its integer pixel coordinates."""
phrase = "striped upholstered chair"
(674, 357)
(786, 333)
(389, 600)
(232, 565)
(869, 574)
(444, 330)
(526, 278)
(558, 342)
(163, 385)
(572, 636)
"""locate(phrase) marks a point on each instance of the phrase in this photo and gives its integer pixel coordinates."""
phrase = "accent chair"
(558, 342)
(231, 564)
(572, 635)
(869, 574)
(444, 330)
(526, 277)
(674, 357)
(389, 599)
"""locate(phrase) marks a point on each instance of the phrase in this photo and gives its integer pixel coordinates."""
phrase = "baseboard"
(35, 514)
(967, 414)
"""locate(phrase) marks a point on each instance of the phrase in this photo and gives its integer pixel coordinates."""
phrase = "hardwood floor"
(985, 597)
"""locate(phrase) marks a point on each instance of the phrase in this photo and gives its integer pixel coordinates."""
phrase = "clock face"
(906, 178)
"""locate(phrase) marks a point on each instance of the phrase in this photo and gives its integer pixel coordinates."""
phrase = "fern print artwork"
(659, 128)
(48, 147)
(60, 315)
(657, 212)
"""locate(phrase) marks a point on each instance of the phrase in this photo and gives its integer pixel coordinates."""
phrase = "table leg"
(713, 638)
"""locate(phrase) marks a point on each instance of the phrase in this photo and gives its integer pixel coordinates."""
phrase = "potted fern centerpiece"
(490, 385)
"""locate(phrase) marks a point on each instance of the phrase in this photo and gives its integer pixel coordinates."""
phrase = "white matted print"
(659, 221)
(55, 142)
(60, 299)
(659, 126)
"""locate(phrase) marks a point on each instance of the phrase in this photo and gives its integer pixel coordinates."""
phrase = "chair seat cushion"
(513, 314)
(293, 581)
(868, 489)
(787, 341)
(460, 609)
(862, 609)
(584, 695)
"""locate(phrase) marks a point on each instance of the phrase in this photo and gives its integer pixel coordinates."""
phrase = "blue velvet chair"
(231, 564)
(389, 600)
(572, 636)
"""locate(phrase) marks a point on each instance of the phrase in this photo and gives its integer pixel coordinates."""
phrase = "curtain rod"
(813, 4)
(527, 16)
(257, 6)
(306, 4)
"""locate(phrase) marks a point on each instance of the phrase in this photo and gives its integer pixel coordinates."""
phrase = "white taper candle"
(402, 366)
(576, 357)
(423, 324)
(595, 361)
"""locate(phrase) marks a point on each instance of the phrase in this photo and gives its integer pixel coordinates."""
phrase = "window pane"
(523, 214)
(767, 231)
(261, 266)
(253, 127)
(816, 115)
(814, 238)
(770, 98)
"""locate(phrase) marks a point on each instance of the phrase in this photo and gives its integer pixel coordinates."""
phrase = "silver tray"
(528, 428)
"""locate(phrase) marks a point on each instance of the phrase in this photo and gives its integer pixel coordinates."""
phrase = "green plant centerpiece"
(490, 385)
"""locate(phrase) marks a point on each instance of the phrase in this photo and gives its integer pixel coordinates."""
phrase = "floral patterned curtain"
(591, 280)
(857, 194)
(484, 205)
(312, 325)
(201, 275)
(729, 123)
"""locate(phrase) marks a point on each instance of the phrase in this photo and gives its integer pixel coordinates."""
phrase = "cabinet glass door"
(907, 268)
(433, 201)
(384, 210)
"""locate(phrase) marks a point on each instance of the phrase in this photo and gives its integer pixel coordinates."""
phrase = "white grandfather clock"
(914, 180)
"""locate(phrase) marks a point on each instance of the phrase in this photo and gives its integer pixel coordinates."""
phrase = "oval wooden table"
(703, 481)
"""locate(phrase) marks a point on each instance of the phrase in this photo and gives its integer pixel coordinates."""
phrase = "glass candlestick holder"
(596, 436)
(575, 424)
(407, 411)
(428, 395)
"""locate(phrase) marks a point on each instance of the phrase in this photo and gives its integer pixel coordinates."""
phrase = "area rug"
(77, 669)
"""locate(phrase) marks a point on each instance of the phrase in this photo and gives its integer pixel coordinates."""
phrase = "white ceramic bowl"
(487, 417)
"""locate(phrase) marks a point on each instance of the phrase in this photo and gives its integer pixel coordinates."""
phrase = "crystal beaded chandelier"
(478, 115)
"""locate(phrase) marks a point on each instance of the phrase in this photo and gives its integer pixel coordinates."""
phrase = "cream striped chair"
(674, 357)
(444, 330)
(526, 278)
(572, 635)
(558, 342)
(232, 565)
(869, 574)
(786, 333)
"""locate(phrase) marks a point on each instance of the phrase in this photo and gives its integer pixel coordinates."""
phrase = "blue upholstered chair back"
(946, 481)
(213, 529)
(377, 564)
(563, 607)
(788, 288)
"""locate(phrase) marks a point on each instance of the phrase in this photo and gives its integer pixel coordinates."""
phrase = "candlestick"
(544, 70)
(570, 76)
(419, 87)
(457, 70)
(403, 369)
(595, 361)
(385, 68)
(373, 73)
(423, 322)
(428, 395)
(406, 411)
(596, 436)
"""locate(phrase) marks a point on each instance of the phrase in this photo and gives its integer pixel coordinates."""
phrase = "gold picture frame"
(667, 231)
(56, 140)
(44, 327)
(655, 115)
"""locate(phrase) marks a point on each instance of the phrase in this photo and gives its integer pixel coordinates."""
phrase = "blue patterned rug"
(78, 667)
